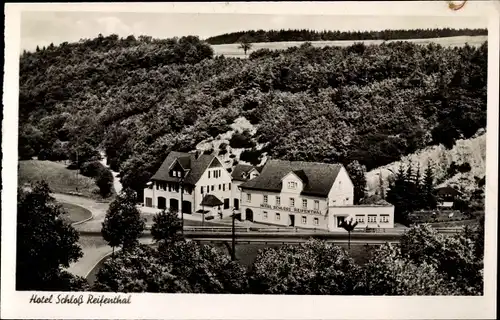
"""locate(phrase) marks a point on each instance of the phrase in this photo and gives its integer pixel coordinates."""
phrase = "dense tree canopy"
(46, 244)
(314, 267)
(183, 267)
(137, 99)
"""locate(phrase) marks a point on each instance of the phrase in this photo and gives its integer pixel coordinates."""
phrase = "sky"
(45, 27)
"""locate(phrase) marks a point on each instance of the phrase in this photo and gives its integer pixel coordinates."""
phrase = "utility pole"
(77, 166)
(233, 253)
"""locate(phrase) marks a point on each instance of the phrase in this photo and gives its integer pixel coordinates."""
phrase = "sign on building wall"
(296, 210)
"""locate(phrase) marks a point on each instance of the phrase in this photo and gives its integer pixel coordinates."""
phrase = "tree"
(166, 227)
(454, 257)
(428, 193)
(357, 173)
(183, 267)
(348, 225)
(313, 267)
(46, 243)
(205, 268)
(245, 44)
(389, 273)
(104, 181)
(123, 224)
(397, 196)
(138, 270)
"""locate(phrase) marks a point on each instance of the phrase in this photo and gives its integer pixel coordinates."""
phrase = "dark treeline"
(139, 99)
(311, 35)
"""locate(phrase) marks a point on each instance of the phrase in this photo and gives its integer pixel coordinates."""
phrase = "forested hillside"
(311, 35)
(137, 99)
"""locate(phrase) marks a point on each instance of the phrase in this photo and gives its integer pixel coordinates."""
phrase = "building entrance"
(292, 220)
(162, 203)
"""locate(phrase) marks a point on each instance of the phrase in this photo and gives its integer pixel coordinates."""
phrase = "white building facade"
(197, 175)
(307, 195)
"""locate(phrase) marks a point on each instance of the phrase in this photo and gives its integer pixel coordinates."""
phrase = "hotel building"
(307, 195)
(197, 175)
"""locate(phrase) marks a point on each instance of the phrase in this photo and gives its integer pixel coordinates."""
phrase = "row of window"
(291, 202)
(277, 217)
(171, 187)
(222, 187)
(215, 174)
(372, 218)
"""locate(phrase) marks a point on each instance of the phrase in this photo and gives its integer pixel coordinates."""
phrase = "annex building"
(307, 195)
(205, 183)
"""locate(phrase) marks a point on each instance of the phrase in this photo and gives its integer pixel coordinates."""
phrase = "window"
(226, 203)
(249, 197)
(372, 218)
(229, 186)
(223, 187)
(316, 221)
(278, 201)
(292, 202)
(304, 203)
(220, 187)
(213, 187)
(360, 218)
(201, 189)
(208, 189)
(265, 199)
(169, 187)
(304, 219)
(316, 204)
(264, 214)
(277, 217)
(384, 218)
(174, 173)
(149, 202)
(292, 185)
(208, 174)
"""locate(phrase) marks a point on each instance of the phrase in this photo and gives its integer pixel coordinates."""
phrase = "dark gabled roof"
(188, 161)
(318, 177)
(211, 201)
(241, 169)
(448, 190)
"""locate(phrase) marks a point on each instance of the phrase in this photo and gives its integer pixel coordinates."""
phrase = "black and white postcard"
(256, 160)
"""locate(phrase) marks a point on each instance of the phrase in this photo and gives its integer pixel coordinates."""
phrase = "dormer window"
(174, 173)
(292, 185)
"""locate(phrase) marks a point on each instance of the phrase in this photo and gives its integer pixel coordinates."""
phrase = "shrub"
(209, 151)
(222, 152)
(232, 156)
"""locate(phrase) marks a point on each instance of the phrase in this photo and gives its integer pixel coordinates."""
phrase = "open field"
(58, 177)
(232, 50)
(75, 213)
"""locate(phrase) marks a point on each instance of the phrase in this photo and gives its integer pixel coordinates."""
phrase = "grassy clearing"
(75, 213)
(58, 177)
(232, 50)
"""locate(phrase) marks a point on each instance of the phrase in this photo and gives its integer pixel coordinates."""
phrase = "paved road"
(116, 181)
